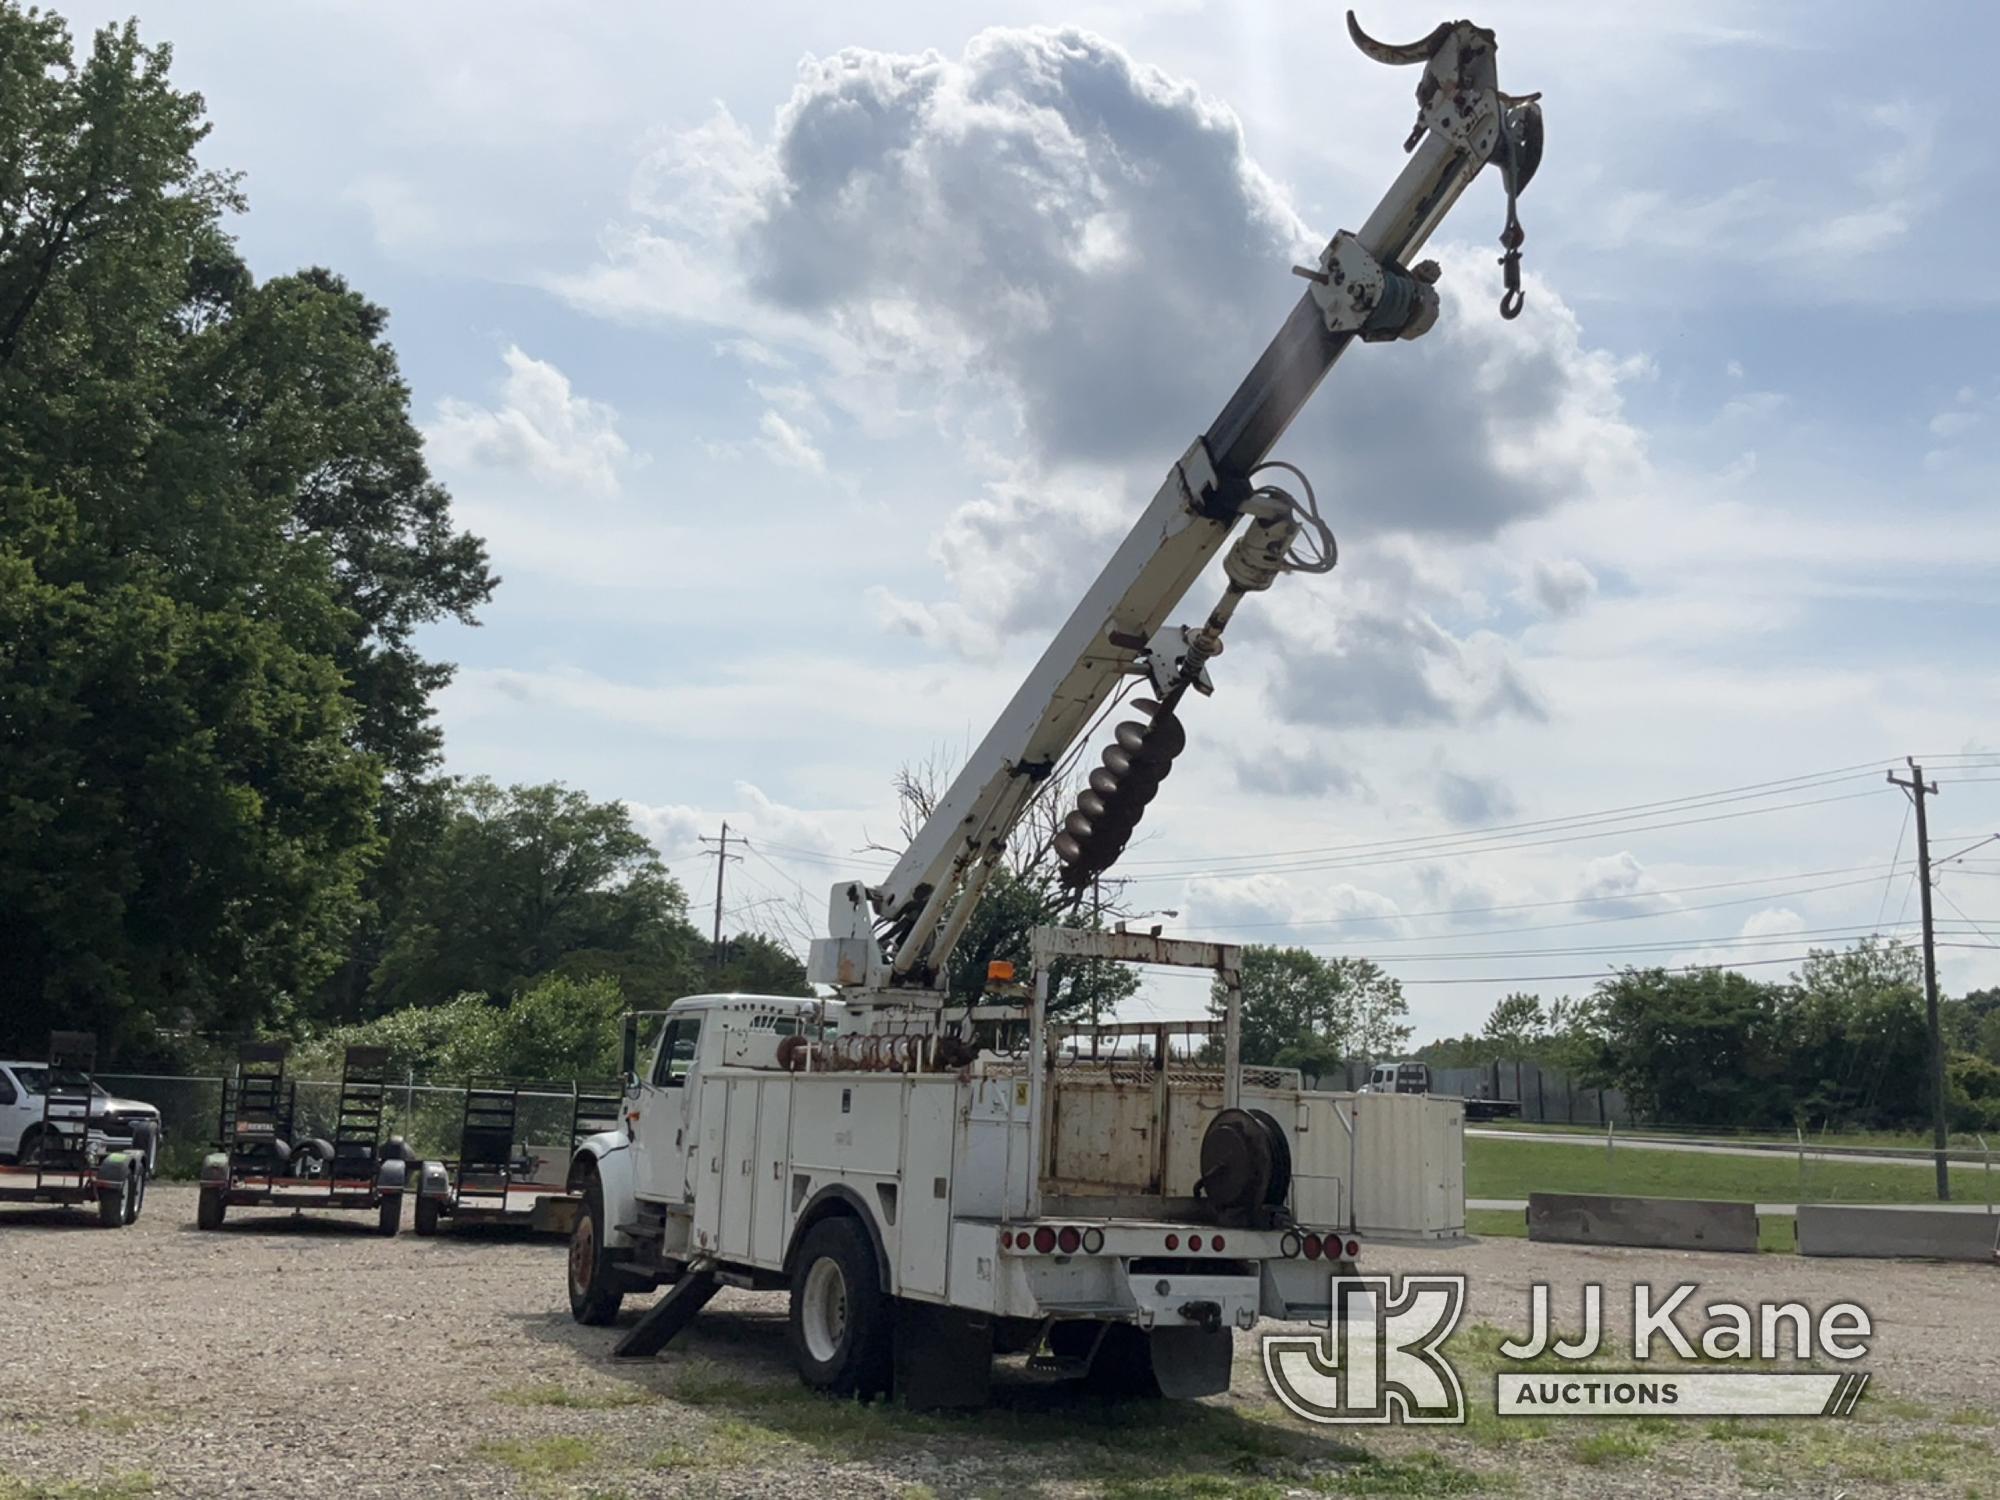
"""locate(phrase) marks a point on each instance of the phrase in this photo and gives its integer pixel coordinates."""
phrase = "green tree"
(536, 880)
(753, 964)
(187, 822)
(221, 539)
(1516, 1026)
(1295, 999)
(1697, 1049)
(1855, 1036)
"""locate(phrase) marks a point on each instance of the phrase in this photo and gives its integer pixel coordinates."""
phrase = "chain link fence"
(427, 1115)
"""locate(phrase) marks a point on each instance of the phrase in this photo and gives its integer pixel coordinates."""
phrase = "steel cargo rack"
(265, 1158)
(495, 1178)
(74, 1159)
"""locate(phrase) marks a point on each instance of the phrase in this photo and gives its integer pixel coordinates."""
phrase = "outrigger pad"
(668, 1316)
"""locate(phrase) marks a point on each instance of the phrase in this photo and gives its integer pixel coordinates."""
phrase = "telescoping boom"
(889, 943)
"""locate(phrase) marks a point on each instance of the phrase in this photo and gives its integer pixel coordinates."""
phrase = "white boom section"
(1463, 124)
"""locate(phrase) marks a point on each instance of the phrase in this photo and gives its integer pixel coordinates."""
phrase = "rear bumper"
(1257, 1274)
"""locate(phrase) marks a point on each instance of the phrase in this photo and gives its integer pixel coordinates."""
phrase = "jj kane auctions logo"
(1383, 1358)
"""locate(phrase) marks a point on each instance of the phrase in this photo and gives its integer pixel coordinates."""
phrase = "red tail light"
(1312, 1247)
(1215, 1243)
(1194, 1242)
(1069, 1240)
(1353, 1249)
(1007, 1239)
(1173, 1242)
(1045, 1239)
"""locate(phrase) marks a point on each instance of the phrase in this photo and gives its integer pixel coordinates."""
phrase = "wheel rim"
(823, 1310)
(582, 1254)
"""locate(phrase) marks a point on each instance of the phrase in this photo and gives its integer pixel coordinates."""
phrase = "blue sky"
(801, 363)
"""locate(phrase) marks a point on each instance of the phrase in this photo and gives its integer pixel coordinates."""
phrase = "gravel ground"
(311, 1357)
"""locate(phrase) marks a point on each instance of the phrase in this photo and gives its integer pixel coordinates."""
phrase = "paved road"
(1647, 1143)
(1505, 1204)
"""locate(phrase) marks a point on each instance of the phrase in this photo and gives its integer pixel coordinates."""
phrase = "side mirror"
(629, 1054)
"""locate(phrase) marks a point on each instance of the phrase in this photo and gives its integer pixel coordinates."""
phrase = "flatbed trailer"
(264, 1162)
(73, 1163)
(495, 1179)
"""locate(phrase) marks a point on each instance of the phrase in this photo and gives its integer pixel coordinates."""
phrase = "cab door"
(668, 1104)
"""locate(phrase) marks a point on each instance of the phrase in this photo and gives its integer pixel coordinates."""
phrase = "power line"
(1571, 901)
(1498, 848)
(1751, 792)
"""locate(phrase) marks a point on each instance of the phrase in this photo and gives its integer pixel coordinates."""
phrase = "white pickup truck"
(23, 1087)
(929, 1206)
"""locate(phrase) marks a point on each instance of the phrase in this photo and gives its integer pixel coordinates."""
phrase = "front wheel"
(594, 1292)
(840, 1321)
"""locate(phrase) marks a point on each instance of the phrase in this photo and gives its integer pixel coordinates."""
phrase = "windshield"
(35, 1079)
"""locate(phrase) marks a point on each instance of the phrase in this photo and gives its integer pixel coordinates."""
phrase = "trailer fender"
(609, 1155)
(839, 1198)
(391, 1176)
(215, 1167)
(114, 1169)
(432, 1180)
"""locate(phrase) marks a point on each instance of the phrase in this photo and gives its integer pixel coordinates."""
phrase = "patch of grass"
(1967, 1416)
(609, 1398)
(115, 1487)
(1616, 1447)
(1836, 1450)
(1192, 1487)
(1423, 1474)
(1735, 1430)
(1514, 1168)
(539, 1458)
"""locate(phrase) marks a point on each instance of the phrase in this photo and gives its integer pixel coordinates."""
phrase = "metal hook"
(1399, 56)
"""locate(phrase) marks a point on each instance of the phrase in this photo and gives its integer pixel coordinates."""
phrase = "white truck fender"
(609, 1155)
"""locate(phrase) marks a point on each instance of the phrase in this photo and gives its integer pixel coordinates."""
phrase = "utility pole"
(723, 858)
(1918, 789)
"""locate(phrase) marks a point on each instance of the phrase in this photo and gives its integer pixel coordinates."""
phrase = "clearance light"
(999, 971)
(1045, 1239)
(1068, 1240)
(1093, 1241)
(1312, 1247)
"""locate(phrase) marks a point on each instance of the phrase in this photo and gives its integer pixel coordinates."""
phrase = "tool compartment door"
(711, 1132)
(739, 1164)
(923, 1246)
(768, 1220)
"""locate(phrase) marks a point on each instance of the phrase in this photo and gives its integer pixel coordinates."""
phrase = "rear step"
(670, 1314)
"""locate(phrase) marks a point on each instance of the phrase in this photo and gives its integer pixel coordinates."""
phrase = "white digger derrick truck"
(936, 1180)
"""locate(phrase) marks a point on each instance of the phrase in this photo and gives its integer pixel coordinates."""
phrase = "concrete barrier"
(1899, 1233)
(1649, 1223)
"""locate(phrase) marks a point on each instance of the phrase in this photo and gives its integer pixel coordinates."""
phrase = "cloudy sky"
(801, 364)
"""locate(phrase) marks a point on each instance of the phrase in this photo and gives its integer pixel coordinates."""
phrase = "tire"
(31, 1146)
(389, 1218)
(138, 1194)
(840, 1324)
(595, 1291)
(114, 1205)
(426, 1215)
(210, 1208)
